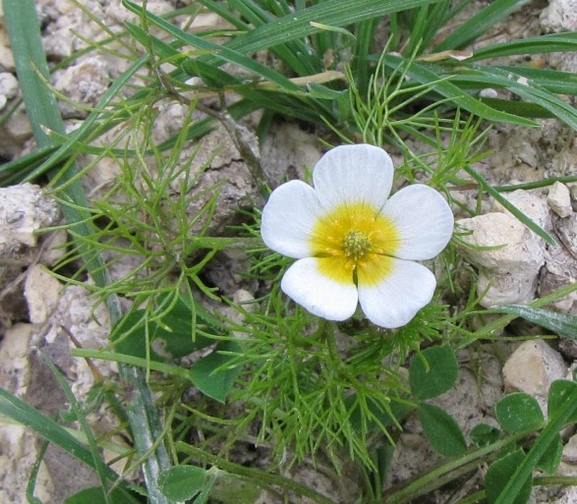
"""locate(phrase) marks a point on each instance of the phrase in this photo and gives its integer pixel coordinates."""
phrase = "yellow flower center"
(355, 243)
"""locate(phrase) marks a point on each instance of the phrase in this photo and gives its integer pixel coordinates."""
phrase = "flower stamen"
(356, 244)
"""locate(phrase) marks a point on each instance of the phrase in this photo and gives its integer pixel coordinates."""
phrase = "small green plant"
(304, 389)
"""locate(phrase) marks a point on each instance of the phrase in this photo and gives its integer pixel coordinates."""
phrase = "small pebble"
(559, 199)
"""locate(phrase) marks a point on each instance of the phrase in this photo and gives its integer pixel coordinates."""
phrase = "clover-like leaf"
(433, 372)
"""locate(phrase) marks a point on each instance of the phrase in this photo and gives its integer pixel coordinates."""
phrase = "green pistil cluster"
(356, 244)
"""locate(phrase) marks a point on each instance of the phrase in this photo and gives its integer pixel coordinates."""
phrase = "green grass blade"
(67, 148)
(479, 24)
(558, 42)
(425, 74)
(32, 69)
(222, 52)
(553, 81)
(97, 462)
(24, 414)
(486, 76)
(560, 323)
(41, 107)
(298, 25)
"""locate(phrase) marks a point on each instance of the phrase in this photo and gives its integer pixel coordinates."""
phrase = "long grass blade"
(479, 24)
(558, 42)
(32, 69)
(298, 25)
(24, 414)
(424, 74)
(538, 230)
(560, 323)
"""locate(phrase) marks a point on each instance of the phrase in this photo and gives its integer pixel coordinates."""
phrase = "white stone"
(529, 203)
(560, 16)
(17, 444)
(507, 254)
(532, 367)
(87, 321)
(568, 465)
(287, 152)
(24, 210)
(83, 84)
(15, 132)
(42, 291)
(8, 85)
(559, 199)
(14, 365)
(17, 456)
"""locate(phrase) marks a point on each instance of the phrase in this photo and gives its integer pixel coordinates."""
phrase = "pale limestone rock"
(88, 322)
(15, 132)
(17, 444)
(24, 210)
(532, 368)
(6, 57)
(14, 367)
(530, 204)
(8, 88)
(42, 291)
(83, 84)
(568, 465)
(17, 456)
(508, 255)
(559, 16)
(287, 152)
(559, 199)
(8, 85)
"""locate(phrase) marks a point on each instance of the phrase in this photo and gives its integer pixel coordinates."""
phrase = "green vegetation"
(309, 391)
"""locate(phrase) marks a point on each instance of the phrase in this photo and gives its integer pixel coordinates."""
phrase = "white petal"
(289, 217)
(318, 293)
(397, 298)
(354, 174)
(423, 219)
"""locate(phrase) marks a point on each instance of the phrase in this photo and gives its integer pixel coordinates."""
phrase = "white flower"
(353, 243)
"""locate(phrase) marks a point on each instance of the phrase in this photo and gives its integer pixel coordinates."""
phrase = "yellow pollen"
(354, 241)
(356, 244)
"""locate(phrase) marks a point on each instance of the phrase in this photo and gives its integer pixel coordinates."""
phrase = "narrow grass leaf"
(99, 464)
(479, 24)
(557, 42)
(222, 52)
(554, 81)
(24, 414)
(424, 74)
(32, 69)
(331, 12)
(560, 323)
(499, 476)
(538, 230)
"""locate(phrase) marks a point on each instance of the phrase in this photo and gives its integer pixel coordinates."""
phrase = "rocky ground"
(34, 305)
